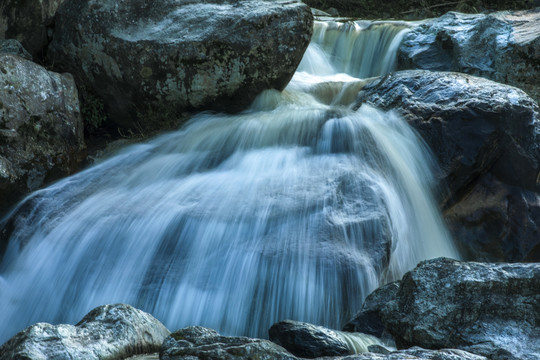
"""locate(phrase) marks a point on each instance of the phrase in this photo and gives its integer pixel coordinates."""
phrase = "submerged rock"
(201, 343)
(29, 21)
(502, 46)
(107, 332)
(41, 132)
(476, 128)
(149, 61)
(487, 309)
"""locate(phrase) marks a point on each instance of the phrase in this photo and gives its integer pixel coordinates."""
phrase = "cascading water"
(295, 209)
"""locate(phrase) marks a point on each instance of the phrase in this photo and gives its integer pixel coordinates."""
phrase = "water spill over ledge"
(294, 209)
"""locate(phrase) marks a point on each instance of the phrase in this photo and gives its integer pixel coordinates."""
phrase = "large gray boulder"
(41, 131)
(149, 61)
(108, 332)
(502, 46)
(478, 129)
(197, 342)
(487, 309)
(29, 21)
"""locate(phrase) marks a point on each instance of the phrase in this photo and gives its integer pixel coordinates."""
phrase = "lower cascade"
(295, 209)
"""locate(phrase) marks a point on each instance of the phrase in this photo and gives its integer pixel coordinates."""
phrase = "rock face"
(14, 47)
(29, 22)
(201, 343)
(503, 46)
(41, 131)
(107, 332)
(487, 309)
(478, 130)
(307, 340)
(151, 60)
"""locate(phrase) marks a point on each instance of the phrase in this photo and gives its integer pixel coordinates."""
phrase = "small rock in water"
(307, 340)
(197, 342)
(312, 341)
(107, 332)
(378, 349)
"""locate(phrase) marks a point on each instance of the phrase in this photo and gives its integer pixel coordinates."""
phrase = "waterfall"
(295, 209)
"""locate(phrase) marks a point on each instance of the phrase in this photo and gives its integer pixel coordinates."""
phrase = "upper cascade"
(360, 49)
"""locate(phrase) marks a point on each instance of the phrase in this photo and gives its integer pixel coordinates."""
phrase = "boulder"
(307, 340)
(29, 22)
(41, 131)
(476, 128)
(149, 61)
(197, 342)
(502, 46)
(107, 332)
(14, 47)
(488, 309)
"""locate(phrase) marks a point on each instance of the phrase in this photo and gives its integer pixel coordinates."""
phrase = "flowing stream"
(295, 209)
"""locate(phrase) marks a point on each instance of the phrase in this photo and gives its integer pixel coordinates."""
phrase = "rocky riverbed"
(443, 309)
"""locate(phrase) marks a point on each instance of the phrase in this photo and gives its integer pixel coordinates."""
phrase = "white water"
(295, 209)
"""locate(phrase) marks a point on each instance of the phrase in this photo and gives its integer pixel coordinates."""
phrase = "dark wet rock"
(307, 340)
(495, 221)
(488, 309)
(503, 46)
(14, 47)
(378, 349)
(473, 125)
(150, 62)
(41, 132)
(368, 320)
(28, 21)
(196, 342)
(476, 128)
(107, 332)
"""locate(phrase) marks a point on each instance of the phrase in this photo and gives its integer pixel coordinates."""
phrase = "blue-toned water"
(294, 209)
